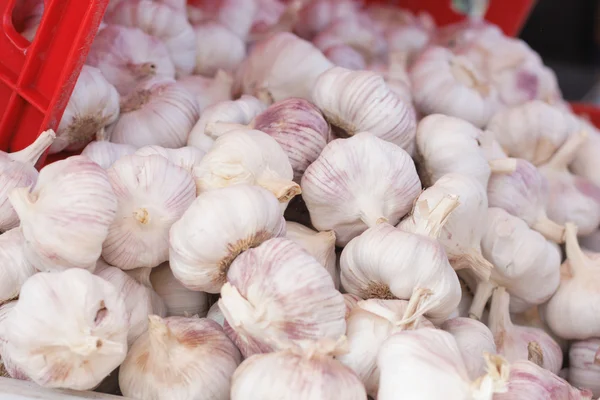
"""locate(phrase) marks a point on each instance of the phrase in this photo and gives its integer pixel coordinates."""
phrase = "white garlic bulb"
(180, 358)
(158, 112)
(380, 264)
(358, 182)
(395, 74)
(179, 300)
(184, 157)
(106, 153)
(217, 227)
(345, 56)
(584, 365)
(214, 313)
(73, 200)
(14, 269)
(344, 97)
(209, 91)
(63, 321)
(127, 56)
(217, 48)
(236, 15)
(8, 368)
(94, 104)
(152, 194)
(264, 287)
(162, 22)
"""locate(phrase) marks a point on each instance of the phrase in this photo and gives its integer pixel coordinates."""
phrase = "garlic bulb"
(301, 374)
(158, 112)
(473, 339)
(180, 358)
(164, 23)
(179, 300)
(214, 313)
(280, 67)
(94, 104)
(73, 200)
(236, 15)
(264, 287)
(217, 48)
(17, 170)
(380, 264)
(184, 157)
(316, 15)
(344, 95)
(14, 269)
(426, 364)
(152, 194)
(532, 318)
(584, 365)
(345, 56)
(395, 74)
(216, 228)
(445, 83)
(247, 157)
(127, 56)
(209, 91)
(378, 183)
(410, 38)
(524, 193)
(461, 241)
(92, 329)
(8, 368)
(106, 153)
(516, 342)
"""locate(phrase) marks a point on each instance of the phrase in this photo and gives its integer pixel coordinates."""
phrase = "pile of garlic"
(304, 200)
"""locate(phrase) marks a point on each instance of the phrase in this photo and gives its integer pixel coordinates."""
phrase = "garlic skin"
(359, 162)
(217, 227)
(8, 368)
(473, 339)
(152, 194)
(236, 15)
(106, 153)
(180, 358)
(214, 313)
(94, 104)
(395, 74)
(217, 48)
(179, 300)
(584, 368)
(351, 301)
(260, 318)
(164, 23)
(92, 329)
(280, 67)
(127, 56)
(67, 192)
(342, 96)
(345, 56)
(184, 157)
(158, 112)
(209, 91)
(14, 268)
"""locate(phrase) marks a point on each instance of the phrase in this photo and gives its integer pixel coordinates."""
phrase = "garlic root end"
(535, 354)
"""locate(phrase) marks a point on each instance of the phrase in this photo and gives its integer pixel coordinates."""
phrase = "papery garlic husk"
(63, 321)
(316, 15)
(8, 369)
(209, 91)
(184, 157)
(345, 96)
(14, 268)
(152, 194)
(447, 144)
(94, 104)
(301, 373)
(17, 170)
(180, 358)
(72, 199)
(585, 161)
(247, 157)
(570, 312)
(345, 56)
(214, 313)
(223, 117)
(351, 301)
(236, 15)
(106, 153)
(584, 365)
(532, 131)
(524, 194)
(473, 339)
(426, 364)
(320, 245)
(217, 48)
(164, 23)
(445, 83)
(127, 56)
(217, 227)
(358, 182)
(380, 264)
(461, 241)
(159, 112)
(280, 67)
(517, 343)
(264, 287)
(179, 300)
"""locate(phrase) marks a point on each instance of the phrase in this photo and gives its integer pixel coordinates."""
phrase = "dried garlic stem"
(33, 152)
(550, 229)
(577, 259)
(503, 165)
(474, 261)
(283, 189)
(432, 220)
(21, 200)
(496, 378)
(499, 320)
(535, 354)
(371, 214)
(415, 309)
(482, 294)
(566, 153)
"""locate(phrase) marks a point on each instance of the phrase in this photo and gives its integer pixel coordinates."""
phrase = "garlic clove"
(215, 314)
(185, 157)
(179, 300)
(218, 48)
(106, 153)
(584, 365)
(209, 91)
(14, 268)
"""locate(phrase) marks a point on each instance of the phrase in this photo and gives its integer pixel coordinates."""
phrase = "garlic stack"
(127, 56)
(209, 91)
(73, 200)
(83, 320)
(345, 56)
(216, 228)
(14, 269)
(158, 112)
(184, 157)
(218, 48)
(180, 301)
(278, 292)
(94, 104)
(106, 153)
(357, 183)
(584, 365)
(344, 97)
(180, 358)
